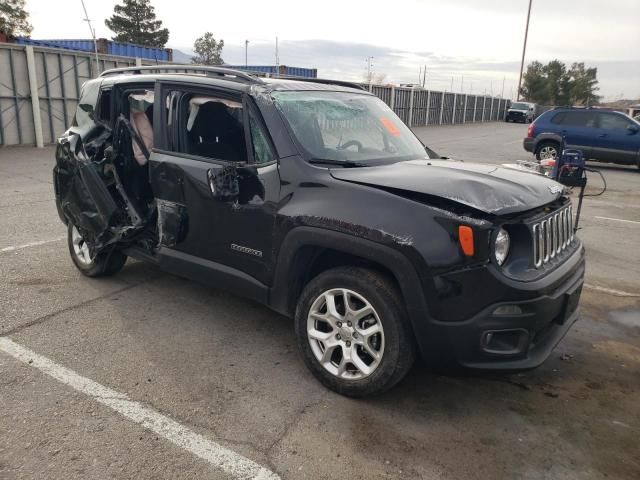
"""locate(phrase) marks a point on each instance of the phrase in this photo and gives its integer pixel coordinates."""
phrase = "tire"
(382, 311)
(102, 265)
(547, 146)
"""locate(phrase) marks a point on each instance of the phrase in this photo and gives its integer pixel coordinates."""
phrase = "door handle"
(602, 135)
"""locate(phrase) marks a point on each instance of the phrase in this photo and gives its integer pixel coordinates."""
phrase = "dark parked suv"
(602, 135)
(314, 199)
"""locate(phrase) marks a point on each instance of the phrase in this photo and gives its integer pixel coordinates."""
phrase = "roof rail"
(226, 73)
(325, 81)
(581, 107)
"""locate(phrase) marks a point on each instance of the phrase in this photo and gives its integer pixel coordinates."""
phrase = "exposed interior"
(203, 126)
(215, 128)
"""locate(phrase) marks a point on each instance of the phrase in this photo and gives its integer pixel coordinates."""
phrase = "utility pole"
(424, 77)
(502, 92)
(369, 70)
(93, 34)
(524, 49)
(277, 57)
(462, 84)
(246, 50)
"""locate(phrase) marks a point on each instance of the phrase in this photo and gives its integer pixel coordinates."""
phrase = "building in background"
(106, 47)
(281, 70)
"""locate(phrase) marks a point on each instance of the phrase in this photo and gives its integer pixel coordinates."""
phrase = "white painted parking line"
(218, 456)
(32, 244)
(618, 220)
(611, 291)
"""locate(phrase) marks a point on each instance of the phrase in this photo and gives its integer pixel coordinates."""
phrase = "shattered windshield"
(340, 126)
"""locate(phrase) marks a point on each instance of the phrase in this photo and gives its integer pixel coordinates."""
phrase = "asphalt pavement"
(147, 375)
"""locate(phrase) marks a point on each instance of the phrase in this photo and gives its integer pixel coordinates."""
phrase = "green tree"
(534, 84)
(553, 84)
(208, 50)
(14, 19)
(135, 22)
(583, 84)
(556, 73)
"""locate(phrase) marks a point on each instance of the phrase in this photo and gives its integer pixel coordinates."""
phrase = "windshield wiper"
(342, 163)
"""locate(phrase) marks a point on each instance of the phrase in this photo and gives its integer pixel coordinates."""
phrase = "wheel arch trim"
(288, 271)
(547, 137)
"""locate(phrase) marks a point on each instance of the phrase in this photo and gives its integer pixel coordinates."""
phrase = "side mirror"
(223, 183)
(633, 129)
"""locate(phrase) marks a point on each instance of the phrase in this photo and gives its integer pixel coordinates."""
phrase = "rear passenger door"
(215, 195)
(616, 143)
(578, 129)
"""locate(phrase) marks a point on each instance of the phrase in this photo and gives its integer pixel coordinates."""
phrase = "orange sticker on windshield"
(391, 128)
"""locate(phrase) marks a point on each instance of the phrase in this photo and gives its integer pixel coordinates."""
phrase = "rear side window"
(575, 119)
(611, 121)
(208, 126)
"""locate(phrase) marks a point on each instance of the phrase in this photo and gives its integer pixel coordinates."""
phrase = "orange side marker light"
(465, 237)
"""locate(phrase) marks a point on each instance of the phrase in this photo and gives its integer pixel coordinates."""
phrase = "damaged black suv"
(313, 198)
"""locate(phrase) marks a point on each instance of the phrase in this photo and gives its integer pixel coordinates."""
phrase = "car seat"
(215, 133)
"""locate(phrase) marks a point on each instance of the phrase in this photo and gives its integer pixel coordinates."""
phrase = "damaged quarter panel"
(90, 161)
(81, 194)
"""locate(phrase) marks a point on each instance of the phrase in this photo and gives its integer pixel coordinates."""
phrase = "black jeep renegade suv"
(316, 200)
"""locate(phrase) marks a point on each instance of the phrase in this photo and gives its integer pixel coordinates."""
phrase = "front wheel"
(353, 331)
(103, 264)
(547, 150)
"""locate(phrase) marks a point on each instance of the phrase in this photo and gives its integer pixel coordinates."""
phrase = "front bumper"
(516, 117)
(533, 320)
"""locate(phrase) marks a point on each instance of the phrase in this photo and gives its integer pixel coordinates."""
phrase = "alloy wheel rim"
(345, 334)
(80, 247)
(548, 152)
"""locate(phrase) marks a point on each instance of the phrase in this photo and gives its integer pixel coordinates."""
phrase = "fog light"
(505, 342)
(508, 310)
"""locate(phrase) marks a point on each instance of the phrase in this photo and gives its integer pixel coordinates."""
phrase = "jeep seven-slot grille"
(552, 236)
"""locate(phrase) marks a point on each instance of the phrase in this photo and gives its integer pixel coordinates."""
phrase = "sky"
(472, 46)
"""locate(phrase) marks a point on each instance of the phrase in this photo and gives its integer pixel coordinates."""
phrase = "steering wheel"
(351, 143)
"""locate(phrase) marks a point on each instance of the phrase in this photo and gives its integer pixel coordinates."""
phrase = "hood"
(489, 188)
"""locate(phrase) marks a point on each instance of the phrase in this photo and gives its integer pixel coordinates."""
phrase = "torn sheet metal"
(90, 191)
(173, 223)
(84, 197)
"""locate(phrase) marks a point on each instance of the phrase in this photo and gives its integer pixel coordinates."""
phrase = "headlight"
(501, 247)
